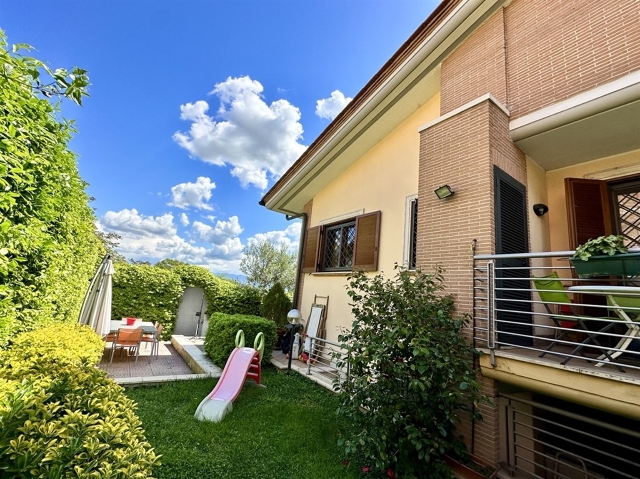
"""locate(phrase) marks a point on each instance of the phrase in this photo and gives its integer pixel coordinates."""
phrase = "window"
(350, 245)
(339, 244)
(411, 232)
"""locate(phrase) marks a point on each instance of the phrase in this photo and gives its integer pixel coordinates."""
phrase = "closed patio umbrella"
(96, 308)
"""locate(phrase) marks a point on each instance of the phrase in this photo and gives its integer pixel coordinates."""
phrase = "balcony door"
(600, 208)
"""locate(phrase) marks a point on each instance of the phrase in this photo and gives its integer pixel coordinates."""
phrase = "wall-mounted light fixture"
(444, 192)
(539, 209)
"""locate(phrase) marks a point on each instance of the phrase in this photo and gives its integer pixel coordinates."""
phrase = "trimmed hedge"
(221, 335)
(154, 292)
(60, 416)
(49, 248)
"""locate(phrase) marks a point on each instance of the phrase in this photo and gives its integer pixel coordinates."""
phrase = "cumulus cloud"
(184, 219)
(148, 238)
(330, 107)
(289, 236)
(193, 195)
(130, 221)
(258, 140)
(219, 233)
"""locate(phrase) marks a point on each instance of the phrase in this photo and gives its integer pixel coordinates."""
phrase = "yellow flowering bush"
(62, 417)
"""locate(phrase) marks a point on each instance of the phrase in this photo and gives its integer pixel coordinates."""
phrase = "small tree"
(275, 305)
(410, 374)
(266, 263)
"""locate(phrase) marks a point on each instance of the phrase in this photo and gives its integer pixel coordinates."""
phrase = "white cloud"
(257, 139)
(130, 221)
(184, 219)
(289, 236)
(194, 195)
(146, 238)
(330, 107)
(218, 234)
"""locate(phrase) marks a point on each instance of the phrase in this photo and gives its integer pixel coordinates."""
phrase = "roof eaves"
(388, 69)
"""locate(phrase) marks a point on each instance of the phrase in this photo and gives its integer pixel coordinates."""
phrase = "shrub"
(60, 416)
(411, 373)
(275, 305)
(220, 339)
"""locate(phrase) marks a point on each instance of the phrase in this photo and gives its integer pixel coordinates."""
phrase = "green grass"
(288, 430)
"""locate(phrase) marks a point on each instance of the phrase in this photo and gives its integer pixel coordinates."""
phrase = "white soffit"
(601, 122)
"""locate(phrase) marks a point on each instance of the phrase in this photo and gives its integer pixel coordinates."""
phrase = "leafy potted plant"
(275, 306)
(605, 255)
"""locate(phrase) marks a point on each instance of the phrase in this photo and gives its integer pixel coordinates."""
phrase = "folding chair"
(552, 292)
(154, 339)
(127, 338)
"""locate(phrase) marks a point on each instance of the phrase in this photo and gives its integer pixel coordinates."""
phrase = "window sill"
(332, 273)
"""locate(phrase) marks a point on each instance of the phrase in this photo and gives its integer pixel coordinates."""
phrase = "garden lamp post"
(294, 318)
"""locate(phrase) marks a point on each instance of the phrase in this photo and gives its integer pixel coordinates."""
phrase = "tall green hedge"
(220, 339)
(154, 292)
(48, 245)
(62, 417)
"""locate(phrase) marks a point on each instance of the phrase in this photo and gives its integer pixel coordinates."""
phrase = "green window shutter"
(367, 239)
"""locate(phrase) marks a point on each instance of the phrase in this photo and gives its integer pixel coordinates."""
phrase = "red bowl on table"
(131, 321)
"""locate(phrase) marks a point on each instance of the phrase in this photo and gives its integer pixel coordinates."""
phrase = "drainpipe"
(296, 288)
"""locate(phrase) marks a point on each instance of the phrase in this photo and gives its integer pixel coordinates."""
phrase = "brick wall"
(477, 67)
(557, 49)
(534, 53)
(457, 151)
(461, 151)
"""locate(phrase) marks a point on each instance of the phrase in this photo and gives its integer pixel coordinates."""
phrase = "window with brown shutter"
(350, 245)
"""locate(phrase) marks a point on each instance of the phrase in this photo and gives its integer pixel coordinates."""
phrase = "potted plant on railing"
(606, 255)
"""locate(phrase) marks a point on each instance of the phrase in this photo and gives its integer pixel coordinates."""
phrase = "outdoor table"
(147, 326)
(623, 300)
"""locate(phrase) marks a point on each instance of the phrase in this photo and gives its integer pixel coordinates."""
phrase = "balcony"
(545, 329)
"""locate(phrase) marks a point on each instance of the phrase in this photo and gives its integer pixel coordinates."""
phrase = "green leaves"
(47, 229)
(603, 245)
(411, 371)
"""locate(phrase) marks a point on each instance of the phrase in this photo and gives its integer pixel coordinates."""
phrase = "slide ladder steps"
(255, 371)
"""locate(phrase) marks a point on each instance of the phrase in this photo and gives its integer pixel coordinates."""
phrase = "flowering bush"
(410, 374)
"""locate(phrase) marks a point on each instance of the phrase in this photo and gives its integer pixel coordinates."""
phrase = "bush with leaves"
(410, 374)
(62, 417)
(49, 248)
(220, 339)
(275, 305)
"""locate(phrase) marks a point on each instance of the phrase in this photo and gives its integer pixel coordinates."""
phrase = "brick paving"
(167, 363)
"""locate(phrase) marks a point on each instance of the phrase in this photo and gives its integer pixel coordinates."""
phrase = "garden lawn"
(288, 430)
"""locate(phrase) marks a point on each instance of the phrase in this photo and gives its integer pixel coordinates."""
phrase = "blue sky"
(197, 107)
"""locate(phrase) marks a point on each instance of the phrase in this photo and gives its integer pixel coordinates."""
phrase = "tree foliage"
(48, 245)
(275, 305)
(410, 374)
(266, 262)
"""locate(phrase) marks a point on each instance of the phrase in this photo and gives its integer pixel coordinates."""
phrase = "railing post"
(491, 312)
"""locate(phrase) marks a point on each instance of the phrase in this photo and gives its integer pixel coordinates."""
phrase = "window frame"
(410, 233)
(328, 228)
(366, 245)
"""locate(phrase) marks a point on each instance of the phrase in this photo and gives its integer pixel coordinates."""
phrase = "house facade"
(510, 104)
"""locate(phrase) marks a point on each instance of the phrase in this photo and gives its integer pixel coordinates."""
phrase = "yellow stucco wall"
(381, 180)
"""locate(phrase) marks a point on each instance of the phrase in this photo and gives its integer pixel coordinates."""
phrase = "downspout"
(296, 289)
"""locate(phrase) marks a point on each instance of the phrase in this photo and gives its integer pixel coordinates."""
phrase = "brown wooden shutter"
(588, 210)
(365, 255)
(311, 250)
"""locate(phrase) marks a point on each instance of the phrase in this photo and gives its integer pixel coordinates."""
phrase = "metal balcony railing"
(553, 440)
(536, 305)
(321, 360)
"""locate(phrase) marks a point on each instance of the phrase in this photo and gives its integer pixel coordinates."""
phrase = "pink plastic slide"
(243, 363)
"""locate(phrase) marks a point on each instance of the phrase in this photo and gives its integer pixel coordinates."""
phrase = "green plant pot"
(627, 264)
